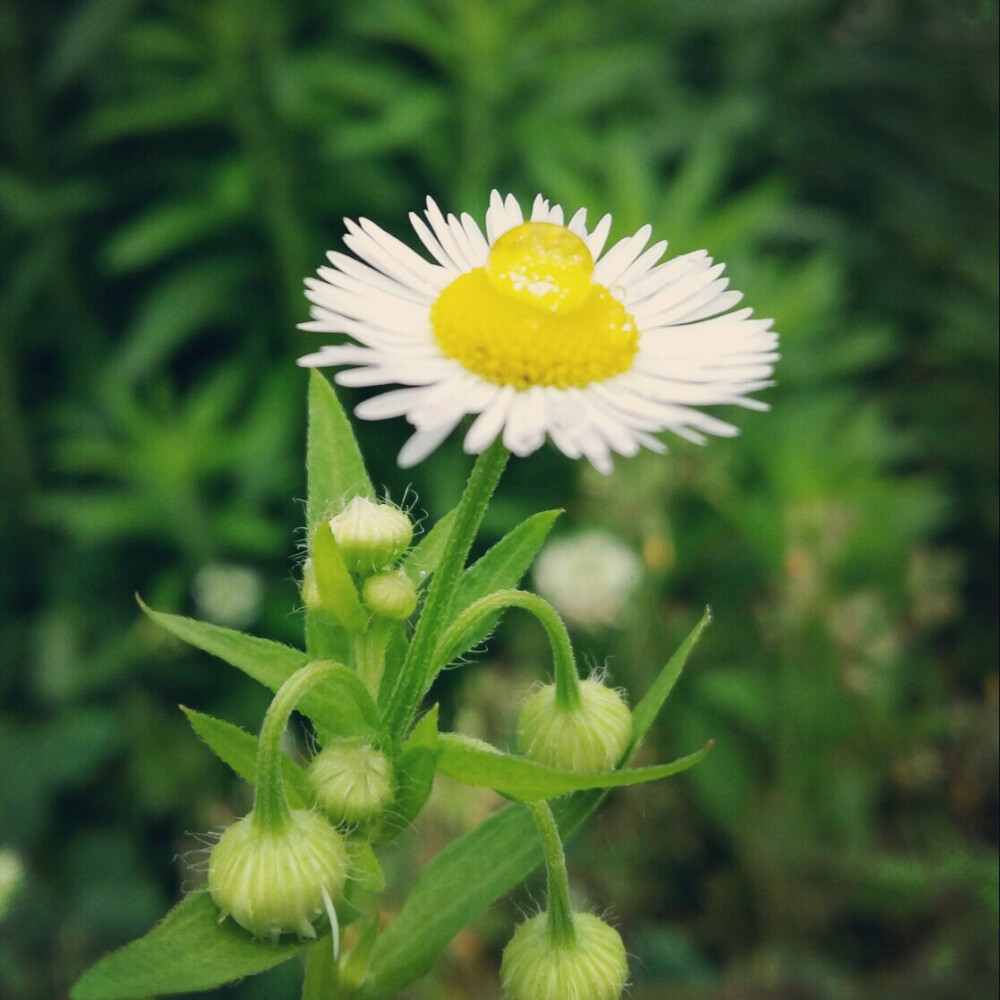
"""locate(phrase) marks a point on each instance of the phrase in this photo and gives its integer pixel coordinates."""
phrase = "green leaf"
(456, 886)
(238, 749)
(505, 563)
(414, 775)
(322, 976)
(188, 951)
(355, 965)
(337, 592)
(476, 763)
(326, 639)
(365, 867)
(336, 468)
(340, 705)
(644, 714)
(421, 561)
(467, 877)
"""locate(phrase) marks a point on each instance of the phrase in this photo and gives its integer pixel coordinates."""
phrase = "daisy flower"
(539, 332)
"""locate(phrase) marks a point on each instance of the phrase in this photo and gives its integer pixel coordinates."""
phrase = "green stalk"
(418, 668)
(562, 931)
(564, 663)
(271, 810)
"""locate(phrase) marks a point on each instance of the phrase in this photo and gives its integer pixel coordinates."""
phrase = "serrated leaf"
(414, 775)
(238, 749)
(336, 468)
(339, 705)
(644, 714)
(475, 763)
(188, 951)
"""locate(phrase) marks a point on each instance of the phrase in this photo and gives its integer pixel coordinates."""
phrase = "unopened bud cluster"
(370, 537)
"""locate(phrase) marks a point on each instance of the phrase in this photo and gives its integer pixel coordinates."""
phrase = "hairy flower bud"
(592, 736)
(274, 882)
(592, 966)
(352, 780)
(371, 536)
(390, 595)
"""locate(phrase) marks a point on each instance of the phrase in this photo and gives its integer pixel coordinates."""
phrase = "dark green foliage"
(170, 171)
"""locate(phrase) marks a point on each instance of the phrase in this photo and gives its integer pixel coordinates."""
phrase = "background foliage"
(170, 172)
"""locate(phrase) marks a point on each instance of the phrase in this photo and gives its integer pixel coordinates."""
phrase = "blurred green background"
(172, 169)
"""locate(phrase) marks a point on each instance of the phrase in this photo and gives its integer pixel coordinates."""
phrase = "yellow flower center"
(534, 315)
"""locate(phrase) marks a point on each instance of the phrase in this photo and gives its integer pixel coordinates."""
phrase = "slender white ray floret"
(537, 332)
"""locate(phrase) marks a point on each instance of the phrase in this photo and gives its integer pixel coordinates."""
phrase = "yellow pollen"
(534, 315)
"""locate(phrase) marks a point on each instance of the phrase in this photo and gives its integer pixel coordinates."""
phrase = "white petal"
(524, 432)
(609, 269)
(430, 241)
(596, 240)
(477, 242)
(490, 421)
(495, 217)
(454, 248)
(642, 264)
(397, 403)
(421, 444)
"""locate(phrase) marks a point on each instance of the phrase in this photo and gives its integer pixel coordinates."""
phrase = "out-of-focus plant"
(167, 173)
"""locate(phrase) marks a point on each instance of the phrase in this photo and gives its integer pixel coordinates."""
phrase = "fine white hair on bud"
(591, 966)
(592, 736)
(390, 595)
(371, 535)
(353, 782)
(278, 881)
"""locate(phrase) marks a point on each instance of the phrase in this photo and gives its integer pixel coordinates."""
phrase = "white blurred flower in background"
(11, 879)
(228, 594)
(589, 576)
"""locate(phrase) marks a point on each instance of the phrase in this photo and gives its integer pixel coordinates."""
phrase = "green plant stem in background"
(560, 912)
(271, 809)
(564, 663)
(415, 677)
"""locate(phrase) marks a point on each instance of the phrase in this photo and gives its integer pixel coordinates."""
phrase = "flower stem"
(271, 809)
(562, 931)
(453, 642)
(417, 671)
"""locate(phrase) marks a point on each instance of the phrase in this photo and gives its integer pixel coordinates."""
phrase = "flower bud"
(590, 967)
(352, 780)
(371, 535)
(592, 736)
(390, 595)
(277, 881)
